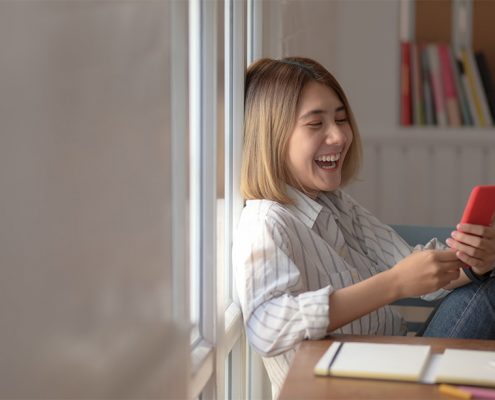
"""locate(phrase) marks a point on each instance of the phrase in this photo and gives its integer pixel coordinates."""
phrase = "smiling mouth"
(328, 161)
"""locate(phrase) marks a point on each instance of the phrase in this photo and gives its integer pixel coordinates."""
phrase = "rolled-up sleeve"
(278, 309)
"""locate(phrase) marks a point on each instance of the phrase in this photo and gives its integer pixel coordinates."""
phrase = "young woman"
(309, 260)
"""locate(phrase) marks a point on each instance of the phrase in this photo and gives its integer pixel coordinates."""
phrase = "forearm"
(352, 302)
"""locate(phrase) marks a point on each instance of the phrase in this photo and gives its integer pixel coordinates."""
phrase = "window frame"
(219, 349)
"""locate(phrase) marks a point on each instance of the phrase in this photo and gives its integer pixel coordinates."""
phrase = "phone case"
(480, 207)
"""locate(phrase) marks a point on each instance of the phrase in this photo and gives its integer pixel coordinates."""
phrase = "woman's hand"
(474, 245)
(425, 271)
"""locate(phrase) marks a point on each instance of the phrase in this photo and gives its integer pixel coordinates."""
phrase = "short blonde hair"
(272, 91)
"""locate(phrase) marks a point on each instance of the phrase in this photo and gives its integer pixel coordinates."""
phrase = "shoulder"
(260, 212)
(263, 223)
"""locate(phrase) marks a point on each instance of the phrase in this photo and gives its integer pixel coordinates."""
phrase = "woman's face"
(320, 140)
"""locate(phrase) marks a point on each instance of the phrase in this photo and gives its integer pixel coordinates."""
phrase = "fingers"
(481, 265)
(443, 256)
(478, 230)
(447, 274)
(466, 238)
(452, 275)
(475, 250)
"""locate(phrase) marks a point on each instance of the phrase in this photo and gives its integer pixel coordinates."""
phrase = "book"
(375, 361)
(450, 92)
(405, 90)
(468, 367)
(480, 102)
(437, 84)
(417, 87)
(407, 362)
(427, 91)
(463, 99)
(468, 90)
(486, 80)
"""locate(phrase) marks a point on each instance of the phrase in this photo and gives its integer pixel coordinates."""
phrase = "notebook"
(407, 362)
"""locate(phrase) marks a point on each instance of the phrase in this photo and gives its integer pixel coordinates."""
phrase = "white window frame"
(202, 128)
(220, 329)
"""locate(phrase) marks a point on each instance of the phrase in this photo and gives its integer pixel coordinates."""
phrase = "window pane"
(195, 160)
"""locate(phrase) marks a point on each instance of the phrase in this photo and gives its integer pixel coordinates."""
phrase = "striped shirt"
(288, 259)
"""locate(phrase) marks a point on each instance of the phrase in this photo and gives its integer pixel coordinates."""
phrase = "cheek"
(349, 139)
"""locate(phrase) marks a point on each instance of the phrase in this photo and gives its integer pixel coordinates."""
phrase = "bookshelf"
(423, 174)
(447, 64)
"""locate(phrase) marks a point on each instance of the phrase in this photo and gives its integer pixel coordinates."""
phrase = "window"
(217, 59)
(217, 53)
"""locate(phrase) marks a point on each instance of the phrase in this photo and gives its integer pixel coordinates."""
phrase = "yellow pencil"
(453, 391)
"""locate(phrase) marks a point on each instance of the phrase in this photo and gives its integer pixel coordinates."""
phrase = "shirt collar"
(304, 207)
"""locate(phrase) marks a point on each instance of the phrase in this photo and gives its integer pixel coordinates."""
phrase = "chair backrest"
(420, 234)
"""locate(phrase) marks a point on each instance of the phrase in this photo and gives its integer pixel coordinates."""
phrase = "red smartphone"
(480, 207)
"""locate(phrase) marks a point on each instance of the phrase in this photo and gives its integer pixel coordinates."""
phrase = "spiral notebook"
(407, 362)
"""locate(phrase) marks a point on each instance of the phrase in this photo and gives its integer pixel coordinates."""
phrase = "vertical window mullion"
(235, 62)
(195, 126)
(207, 170)
(203, 101)
(254, 30)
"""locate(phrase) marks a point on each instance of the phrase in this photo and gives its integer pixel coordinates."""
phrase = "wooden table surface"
(301, 383)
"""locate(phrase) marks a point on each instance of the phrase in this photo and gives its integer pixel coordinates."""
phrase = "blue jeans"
(466, 312)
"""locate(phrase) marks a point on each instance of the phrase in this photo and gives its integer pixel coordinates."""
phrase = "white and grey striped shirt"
(288, 259)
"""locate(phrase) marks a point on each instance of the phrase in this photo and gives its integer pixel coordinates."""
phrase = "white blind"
(85, 213)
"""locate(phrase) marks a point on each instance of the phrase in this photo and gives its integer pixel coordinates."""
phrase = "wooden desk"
(301, 383)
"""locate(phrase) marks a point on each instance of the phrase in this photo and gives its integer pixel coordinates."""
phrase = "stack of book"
(445, 87)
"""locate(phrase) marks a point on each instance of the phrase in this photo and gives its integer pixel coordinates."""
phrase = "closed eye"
(341, 121)
(315, 124)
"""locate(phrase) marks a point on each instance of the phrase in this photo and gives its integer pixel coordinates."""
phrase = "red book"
(405, 84)
(447, 74)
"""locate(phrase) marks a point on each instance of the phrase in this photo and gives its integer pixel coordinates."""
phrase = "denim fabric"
(467, 312)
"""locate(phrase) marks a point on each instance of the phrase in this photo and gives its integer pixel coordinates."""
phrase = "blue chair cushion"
(421, 234)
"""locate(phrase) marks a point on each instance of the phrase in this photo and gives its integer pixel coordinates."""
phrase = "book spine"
(437, 86)
(479, 88)
(462, 96)
(487, 81)
(468, 90)
(405, 115)
(450, 93)
(427, 91)
(475, 84)
(417, 86)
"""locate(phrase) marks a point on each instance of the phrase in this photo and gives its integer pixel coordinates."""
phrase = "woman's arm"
(419, 273)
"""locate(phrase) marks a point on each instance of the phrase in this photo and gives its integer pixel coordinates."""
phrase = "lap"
(467, 312)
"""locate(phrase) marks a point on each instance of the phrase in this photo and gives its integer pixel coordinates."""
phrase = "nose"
(335, 135)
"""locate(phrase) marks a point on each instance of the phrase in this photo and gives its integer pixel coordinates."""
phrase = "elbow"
(271, 343)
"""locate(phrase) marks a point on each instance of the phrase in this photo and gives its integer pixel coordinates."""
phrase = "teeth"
(327, 158)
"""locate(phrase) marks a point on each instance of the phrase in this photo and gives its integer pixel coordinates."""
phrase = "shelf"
(433, 135)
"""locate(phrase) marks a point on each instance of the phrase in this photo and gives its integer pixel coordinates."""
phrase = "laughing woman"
(309, 260)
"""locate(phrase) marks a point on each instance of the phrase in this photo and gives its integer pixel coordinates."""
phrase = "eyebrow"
(318, 112)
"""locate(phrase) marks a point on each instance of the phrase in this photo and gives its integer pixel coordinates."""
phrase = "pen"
(454, 391)
(480, 393)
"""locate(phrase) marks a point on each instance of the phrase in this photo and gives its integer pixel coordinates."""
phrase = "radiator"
(425, 178)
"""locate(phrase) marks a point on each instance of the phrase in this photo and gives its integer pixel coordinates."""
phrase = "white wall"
(356, 40)
(84, 210)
